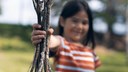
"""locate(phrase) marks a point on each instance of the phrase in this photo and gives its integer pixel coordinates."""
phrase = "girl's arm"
(54, 41)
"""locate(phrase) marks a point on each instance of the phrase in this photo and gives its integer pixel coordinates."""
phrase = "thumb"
(50, 31)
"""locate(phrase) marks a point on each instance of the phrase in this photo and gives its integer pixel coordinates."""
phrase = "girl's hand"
(38, 35)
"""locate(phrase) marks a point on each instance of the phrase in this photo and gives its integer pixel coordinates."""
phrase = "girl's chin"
(76, 39)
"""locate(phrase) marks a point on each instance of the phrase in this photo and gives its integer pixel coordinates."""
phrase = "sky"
(22, 11)
(17, 11)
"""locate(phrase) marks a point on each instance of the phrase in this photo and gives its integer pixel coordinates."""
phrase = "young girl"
(73, 48)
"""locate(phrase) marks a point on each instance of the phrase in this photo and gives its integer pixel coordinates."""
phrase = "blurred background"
(110, 26)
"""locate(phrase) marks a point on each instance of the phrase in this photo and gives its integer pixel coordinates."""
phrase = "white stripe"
(82, 53)
(77, 57)
(78, 52)
(74, 68)
(83, 58)
(66, 53)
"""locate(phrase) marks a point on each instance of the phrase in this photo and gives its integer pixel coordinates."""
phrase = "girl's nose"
(80, 25)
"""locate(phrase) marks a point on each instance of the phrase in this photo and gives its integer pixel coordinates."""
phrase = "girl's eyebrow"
(74, 17)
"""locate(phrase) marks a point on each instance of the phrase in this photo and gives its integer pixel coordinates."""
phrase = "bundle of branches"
(41, 57)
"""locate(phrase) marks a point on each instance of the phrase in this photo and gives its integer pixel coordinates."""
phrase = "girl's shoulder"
(59, 37)
(88, 48)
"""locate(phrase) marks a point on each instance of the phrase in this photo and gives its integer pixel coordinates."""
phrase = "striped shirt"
(73, 58)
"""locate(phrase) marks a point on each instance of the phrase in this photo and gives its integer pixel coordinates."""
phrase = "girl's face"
(76, 27)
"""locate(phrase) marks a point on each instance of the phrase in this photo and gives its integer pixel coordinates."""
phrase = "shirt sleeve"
(59, 48)
(96, 60)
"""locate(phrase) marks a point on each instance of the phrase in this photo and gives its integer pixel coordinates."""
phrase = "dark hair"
(73, 7)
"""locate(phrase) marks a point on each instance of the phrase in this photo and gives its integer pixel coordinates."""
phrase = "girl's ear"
(62, 21)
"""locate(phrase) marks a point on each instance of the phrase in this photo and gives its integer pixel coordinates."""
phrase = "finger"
(38, 32)
(36, 26)
(36, 42)
(38, 37)
(50, 31)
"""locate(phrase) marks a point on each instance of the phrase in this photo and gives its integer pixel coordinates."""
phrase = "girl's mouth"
(77, 32)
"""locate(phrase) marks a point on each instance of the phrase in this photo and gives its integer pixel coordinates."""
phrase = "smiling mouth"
(77, 33)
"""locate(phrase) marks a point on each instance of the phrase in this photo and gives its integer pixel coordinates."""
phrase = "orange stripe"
(87, 62)
(77, 61)
(65, 70)
(79, 55)
(68, 51)
(65, 57)
(70, 58)
(73, 46)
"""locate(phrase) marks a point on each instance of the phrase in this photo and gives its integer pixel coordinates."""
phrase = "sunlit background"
(110, 26)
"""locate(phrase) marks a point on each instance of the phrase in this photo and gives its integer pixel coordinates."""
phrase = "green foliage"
(106, 17)
(14, 44)
(9, 30)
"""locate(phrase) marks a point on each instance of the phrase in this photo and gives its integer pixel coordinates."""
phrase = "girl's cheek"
(87, 27)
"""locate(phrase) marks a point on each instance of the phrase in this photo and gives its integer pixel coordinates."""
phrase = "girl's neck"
(78, 43)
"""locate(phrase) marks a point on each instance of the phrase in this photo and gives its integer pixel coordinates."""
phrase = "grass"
(16, 56)
(112, 61)
(12, 61)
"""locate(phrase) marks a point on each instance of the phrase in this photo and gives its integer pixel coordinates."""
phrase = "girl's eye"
(85, 22)
(75, 20)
